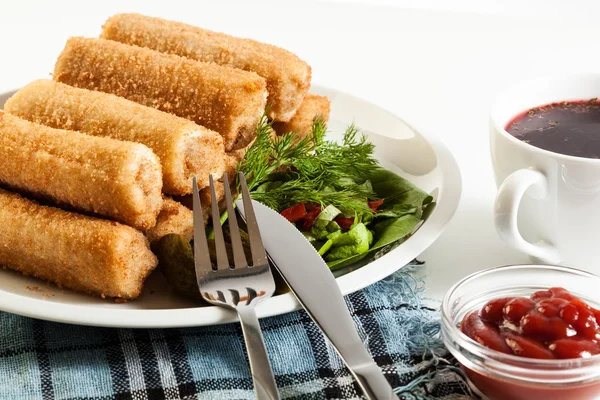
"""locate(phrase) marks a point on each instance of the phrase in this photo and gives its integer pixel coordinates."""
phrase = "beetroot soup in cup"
(545, 147)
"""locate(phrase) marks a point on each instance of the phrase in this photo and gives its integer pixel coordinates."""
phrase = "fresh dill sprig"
(298, 191)
(310, 169)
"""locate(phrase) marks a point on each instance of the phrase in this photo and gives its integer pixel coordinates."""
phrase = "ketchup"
(551, 324)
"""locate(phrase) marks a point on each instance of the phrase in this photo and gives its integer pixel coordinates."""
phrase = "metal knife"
(314, 286)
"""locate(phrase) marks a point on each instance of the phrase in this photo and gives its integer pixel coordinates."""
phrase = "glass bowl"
(500, 376)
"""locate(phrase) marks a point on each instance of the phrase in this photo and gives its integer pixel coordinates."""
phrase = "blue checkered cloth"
(46, 360)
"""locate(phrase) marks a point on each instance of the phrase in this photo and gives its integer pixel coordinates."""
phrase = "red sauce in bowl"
(543, 346)
(499, 389)
(551, 324)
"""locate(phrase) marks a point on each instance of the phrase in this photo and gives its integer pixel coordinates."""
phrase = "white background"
(436, 64)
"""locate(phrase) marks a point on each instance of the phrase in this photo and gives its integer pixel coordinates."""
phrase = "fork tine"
(259, 255)
(239, 258)
(222, 261)
(201, 254)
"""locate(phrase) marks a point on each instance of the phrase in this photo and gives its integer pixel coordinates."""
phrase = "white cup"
(548, 204)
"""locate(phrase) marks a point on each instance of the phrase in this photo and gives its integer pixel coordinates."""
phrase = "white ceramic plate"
(399, 147)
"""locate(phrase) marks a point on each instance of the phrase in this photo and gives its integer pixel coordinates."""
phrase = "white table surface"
(434, 64)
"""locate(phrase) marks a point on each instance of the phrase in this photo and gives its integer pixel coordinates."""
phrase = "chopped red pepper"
(344, 223)
(311, 215)
(294, 213)
(312, 206)
(375, 204)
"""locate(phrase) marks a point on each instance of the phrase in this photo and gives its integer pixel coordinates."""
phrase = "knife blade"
(313, 284)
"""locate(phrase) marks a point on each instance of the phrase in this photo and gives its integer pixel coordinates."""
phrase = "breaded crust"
(82, 253)
(226, 100)
(301, 123)
(173, 218)
(231, 159)
(185, 149)
(115, 179)
(288, 77)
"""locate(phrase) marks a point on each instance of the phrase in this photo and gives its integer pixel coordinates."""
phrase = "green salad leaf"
(385, 233)
(397, 211)
(393, 229)
(401, 213)
(348, 244)
(397, 190)
(324, 224)
(344, 262)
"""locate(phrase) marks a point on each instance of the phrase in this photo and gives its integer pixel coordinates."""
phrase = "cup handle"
(508, 199)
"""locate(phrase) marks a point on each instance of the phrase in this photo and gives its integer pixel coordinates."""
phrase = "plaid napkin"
(45, 360)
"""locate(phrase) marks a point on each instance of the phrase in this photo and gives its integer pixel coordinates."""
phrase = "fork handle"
(262, 375)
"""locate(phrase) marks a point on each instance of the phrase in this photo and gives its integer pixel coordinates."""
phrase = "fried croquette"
(301, 123)
(79, 252)
(288, 77)
(223, 99)
(107, 177)
(185, 149)
(173, 218)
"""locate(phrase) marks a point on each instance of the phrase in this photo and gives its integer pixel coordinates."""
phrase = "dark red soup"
(551, 324)
(570, 127)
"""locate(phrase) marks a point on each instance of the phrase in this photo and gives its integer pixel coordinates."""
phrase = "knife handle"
(373, 383)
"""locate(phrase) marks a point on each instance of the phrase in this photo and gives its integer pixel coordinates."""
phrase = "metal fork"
(239, 286)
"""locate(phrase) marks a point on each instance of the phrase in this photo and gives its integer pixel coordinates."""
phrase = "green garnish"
(324, 224)
(285, 171)
(310, 169)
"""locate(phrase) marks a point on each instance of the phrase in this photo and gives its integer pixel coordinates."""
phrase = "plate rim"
(427, 234)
